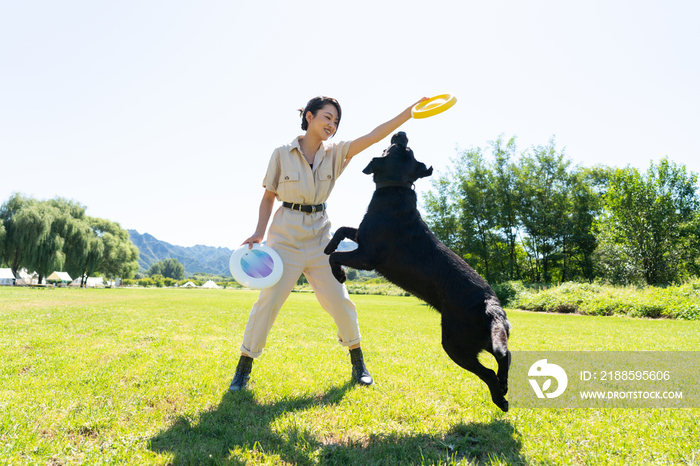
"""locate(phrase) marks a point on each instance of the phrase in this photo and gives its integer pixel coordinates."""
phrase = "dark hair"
(314, 105)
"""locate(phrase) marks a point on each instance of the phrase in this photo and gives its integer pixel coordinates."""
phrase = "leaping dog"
(394, 240)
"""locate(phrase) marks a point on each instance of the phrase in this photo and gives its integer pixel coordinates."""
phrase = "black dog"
(393, 240)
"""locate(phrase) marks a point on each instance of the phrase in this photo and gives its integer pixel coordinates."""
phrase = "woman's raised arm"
(379, 133)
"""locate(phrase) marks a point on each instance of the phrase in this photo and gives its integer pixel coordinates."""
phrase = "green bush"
(371, 287)
(146, 282)
(676, 302)
(508, 292)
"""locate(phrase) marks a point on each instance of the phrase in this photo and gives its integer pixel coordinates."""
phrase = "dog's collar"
(388, 184)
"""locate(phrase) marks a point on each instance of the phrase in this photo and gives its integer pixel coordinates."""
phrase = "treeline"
(535, 217)
(55, 235)
(160, 281)
(167, 268)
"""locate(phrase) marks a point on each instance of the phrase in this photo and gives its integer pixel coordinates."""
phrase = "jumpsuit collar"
(320, 153)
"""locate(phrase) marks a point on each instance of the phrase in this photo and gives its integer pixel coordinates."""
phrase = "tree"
(2, 239)
(44, 236)
(93, 259)
(47, 255)
(26, 227)
(577, 239)
(79, 240)
(654, 219)
(506, 197)
(98, 245)
(440, 213)
(475, 196)
(120, 256)
(543, 181)
(168, 268)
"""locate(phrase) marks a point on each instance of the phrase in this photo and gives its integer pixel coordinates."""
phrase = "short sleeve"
(340, 153)
(273, 172)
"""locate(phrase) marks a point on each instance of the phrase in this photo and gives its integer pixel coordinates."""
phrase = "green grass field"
(140, 376)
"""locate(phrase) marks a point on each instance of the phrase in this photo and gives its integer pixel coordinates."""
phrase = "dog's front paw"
(339, 274)
(330, 248)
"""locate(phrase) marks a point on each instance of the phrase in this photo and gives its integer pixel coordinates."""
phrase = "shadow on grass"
(239, 431)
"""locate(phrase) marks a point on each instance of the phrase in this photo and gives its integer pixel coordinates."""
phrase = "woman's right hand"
(256, 238)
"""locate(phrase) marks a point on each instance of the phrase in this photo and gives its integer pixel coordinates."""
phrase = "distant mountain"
(196, 259)
(199, 258)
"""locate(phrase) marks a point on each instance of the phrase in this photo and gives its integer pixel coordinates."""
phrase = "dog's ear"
(368, 169)
(400, 139)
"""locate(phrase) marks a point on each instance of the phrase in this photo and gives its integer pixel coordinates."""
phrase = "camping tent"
(95, 282)
(189, 285)
(7, 277)
(62, 277)
(210, 284)
(92, 282)
(24, 278)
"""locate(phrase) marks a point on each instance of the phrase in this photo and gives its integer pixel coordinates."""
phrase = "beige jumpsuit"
(300, 239)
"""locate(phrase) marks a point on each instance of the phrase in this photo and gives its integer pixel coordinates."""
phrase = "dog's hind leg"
(503, 367)
(470, 362)
(341, 234)
(499, 349)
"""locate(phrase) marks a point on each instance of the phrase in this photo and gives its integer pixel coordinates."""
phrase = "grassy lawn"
(140, 376)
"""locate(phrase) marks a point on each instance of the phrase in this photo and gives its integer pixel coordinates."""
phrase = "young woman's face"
(324, 123)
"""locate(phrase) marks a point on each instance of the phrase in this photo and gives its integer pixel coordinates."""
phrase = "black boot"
(240, 380)
(359, 371)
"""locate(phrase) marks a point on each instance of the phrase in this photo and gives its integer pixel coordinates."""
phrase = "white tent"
(24, 278)
(210, 284)
(95, 282)
(189, 285)
(6, 277)
(92, 282)
(59, 277)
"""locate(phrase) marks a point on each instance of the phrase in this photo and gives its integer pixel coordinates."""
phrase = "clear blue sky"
(162, 115)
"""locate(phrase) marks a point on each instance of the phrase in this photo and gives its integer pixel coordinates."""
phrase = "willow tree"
(47, 256)
(26, 227)
(103, 246)
(2, 239)
(120, 256)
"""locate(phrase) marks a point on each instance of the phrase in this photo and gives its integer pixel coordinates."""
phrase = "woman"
(302, 175)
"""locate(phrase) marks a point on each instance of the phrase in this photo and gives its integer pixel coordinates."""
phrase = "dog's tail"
(499, 338)
(500, 329)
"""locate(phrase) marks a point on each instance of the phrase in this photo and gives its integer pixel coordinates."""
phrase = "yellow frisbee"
(433, 106)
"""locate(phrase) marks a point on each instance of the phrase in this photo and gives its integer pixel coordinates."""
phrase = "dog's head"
(397, 166)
